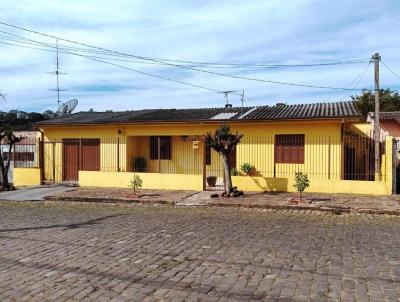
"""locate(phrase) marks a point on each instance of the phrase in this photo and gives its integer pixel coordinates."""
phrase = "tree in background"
(223, 142)
(389, 101)
(48, 114)
(7, 137)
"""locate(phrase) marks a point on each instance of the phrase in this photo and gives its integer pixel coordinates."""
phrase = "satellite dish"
(67, 108)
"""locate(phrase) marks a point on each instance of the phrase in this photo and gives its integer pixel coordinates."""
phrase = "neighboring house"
(390, 125)
(24, 154)
(388, 121)
(166, 148)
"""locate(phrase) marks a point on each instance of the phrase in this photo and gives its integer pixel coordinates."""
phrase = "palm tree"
(223, 142)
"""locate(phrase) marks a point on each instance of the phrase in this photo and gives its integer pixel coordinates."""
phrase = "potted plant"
(246, 168)
(235, 172)
(139, 164)
(211, 181)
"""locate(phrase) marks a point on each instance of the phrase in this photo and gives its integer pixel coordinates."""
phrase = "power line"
(180, 66)
(388, 68)
(198, 86)
(19, 39)
(210, 72)
(222, 66)
(124, 67)
(216, 64)
(356, 80)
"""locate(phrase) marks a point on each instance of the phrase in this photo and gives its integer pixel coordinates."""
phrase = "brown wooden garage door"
(90, 154)
(80, 154)
(70, 159)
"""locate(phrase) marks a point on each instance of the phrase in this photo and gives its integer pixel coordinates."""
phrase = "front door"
(70, 159)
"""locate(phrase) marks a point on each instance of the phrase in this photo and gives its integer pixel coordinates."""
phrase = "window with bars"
(164, 147)
(289, 148)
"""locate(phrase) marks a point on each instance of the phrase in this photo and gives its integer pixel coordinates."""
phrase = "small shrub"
(139, 164)
(301, 182)
(136, 183)
(337, 211)
(235, 172)
(246, 168)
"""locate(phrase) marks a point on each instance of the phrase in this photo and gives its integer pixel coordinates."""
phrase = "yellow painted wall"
(249, 183)
(384, 187)
(184, 158)
(150, 180)
(257, 148)
(53, 157)
(364, 128)
(26, 177)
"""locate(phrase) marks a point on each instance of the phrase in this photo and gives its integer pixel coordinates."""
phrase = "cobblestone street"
(100, 253)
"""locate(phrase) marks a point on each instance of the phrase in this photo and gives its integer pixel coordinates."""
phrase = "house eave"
(275, 120)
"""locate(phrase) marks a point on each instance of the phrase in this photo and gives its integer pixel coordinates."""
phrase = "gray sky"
(270, 32)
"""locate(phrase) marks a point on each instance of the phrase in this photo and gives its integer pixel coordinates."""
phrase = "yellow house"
(166, 148)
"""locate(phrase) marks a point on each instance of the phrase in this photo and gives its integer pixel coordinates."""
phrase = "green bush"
(136, 183)
(301, 182)
(139, 164)
(246, 168)
(234, 172)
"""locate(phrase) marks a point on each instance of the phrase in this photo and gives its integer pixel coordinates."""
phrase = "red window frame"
(289, 148)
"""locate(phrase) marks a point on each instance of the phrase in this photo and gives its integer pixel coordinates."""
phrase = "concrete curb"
(108, 200)
(226, 204)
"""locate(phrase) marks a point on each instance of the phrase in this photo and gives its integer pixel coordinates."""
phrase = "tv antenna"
(242, 101)
(57, 72)
(226, 95)
(67, 108)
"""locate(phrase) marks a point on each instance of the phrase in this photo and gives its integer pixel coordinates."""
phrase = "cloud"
(224, 31)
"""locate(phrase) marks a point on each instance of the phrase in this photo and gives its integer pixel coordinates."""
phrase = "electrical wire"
(356, 80)
(180, 66)
(127, 68)
(216, 64)
(191, 68)
(388, 68)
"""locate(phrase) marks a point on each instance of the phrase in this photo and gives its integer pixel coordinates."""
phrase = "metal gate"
(63, 159)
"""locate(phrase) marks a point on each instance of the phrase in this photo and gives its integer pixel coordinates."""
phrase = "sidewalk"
(336, 203)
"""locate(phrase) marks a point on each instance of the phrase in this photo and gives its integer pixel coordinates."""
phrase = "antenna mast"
(57, 73)
(226, 94)
(242, 100)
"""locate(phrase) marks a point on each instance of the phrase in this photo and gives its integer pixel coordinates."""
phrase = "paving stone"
(77, 252)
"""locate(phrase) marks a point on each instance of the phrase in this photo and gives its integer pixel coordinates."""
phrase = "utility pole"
(376, 58)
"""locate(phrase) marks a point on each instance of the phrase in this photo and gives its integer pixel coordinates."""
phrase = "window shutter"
(289, 148)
